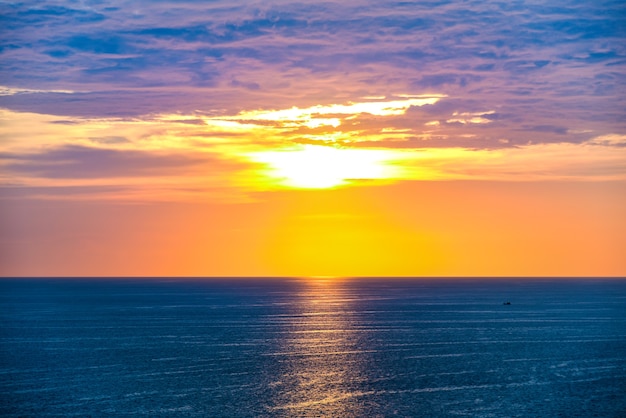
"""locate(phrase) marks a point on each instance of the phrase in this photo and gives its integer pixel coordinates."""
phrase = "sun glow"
(313, 166)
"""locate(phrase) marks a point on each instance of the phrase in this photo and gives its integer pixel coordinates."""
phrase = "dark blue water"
(336, 348)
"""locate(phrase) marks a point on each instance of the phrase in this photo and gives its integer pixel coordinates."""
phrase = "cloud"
(250, 85)
(79, 162)
(560, 130)
(10, 91)
(149, 83)
(439, 80)
(541, 162)
(60, 192)
(609, 140)
(109, 140)
(329, 51)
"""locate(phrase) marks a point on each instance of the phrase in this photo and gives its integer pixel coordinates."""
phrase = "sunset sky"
(339, 138)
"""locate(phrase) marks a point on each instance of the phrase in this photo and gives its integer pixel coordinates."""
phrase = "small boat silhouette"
(507, 303)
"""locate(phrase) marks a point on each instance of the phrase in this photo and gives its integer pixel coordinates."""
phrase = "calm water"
(287, 347)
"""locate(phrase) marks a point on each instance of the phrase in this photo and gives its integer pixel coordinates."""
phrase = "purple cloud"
(559, 66)
(79, 162)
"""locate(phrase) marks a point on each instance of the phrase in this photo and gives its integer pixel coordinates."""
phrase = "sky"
(334, 138)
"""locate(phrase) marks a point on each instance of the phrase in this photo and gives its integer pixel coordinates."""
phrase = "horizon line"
(319, 277)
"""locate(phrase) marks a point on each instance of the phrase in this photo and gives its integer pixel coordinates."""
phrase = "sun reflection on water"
(323, 373)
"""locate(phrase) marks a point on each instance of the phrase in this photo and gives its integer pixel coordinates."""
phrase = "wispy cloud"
(75, 161)
(9, 91)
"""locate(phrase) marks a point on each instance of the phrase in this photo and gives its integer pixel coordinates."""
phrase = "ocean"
(289, 347)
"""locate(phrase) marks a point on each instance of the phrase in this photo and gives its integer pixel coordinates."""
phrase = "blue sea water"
(308, 348)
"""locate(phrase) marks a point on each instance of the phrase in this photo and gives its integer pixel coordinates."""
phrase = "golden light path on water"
(323, 367)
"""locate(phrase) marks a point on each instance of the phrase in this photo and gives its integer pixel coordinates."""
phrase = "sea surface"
(261, 347)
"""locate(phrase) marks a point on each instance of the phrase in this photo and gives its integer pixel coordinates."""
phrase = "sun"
(319, 167)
